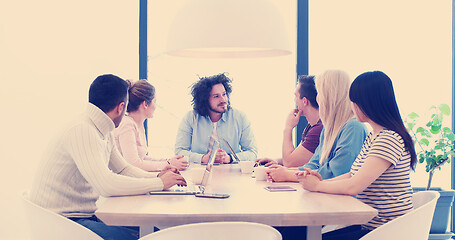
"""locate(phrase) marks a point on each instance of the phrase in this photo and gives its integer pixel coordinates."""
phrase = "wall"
(50, 51)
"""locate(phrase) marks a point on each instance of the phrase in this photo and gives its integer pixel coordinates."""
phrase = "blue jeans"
(108, 232)
(352, 232)
(293, 233)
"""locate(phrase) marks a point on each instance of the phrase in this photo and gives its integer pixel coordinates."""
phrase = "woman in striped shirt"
(380, 174)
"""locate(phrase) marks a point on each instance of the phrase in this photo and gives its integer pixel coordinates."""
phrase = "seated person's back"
(84, 163)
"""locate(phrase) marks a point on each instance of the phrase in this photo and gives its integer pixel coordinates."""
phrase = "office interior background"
(50, 52)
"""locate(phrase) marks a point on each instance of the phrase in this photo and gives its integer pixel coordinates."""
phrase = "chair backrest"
(217, 231)
(413, 225)
(45, 224)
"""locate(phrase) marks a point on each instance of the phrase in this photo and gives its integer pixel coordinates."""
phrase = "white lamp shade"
(228, 29)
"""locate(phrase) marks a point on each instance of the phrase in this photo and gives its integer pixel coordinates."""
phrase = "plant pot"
(442, 210)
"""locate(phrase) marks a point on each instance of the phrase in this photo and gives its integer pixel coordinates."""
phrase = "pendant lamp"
(228, 29)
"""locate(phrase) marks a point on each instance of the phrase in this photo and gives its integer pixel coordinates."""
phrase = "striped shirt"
(390, 193)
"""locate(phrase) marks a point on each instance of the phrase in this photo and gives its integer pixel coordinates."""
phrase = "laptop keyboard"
(189, 188)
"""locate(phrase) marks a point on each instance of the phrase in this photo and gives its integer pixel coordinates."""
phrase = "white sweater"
(84, 163)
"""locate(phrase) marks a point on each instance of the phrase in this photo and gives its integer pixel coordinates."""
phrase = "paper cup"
(246, 166)
(259, 173)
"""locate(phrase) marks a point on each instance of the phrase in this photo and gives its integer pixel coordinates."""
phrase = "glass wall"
(408, 40)
(263, 88)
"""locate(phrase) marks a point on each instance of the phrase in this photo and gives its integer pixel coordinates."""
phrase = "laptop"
(232, 151)
(192, 189)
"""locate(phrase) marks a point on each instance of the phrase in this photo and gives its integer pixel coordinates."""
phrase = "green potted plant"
(434, 148)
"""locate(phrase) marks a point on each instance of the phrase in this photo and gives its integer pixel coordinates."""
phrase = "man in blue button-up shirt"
(212, 117)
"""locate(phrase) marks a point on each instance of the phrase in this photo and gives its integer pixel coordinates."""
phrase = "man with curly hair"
(213, 118)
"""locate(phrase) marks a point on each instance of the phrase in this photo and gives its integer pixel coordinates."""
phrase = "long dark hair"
(201, 92)
(373, 93)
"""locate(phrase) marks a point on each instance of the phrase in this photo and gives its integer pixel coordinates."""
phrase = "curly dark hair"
(200, 91)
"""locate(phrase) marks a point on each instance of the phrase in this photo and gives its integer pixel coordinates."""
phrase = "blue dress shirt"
(194, 133)
(344, 151)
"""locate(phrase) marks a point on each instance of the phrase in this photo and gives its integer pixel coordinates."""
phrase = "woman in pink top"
(130, 135)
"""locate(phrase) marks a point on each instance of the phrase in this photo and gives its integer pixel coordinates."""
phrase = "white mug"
(246, 166)
(259, 173)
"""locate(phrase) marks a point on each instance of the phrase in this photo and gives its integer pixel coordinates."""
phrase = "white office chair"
(45, 224)
(217, 231)
(413, 225)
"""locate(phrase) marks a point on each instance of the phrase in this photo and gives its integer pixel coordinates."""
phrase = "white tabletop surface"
(248, 201)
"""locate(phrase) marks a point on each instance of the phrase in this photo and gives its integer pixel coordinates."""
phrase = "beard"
(218, 111)
(118, 120)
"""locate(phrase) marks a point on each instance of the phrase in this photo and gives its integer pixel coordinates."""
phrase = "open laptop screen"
(209, 166)
(232, 150)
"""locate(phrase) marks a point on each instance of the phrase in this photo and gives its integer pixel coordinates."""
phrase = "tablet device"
(279, 188)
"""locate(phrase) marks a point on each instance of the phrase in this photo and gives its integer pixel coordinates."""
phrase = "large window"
(263, 88)
(408, 40)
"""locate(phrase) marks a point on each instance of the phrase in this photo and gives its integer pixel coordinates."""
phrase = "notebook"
(192, 189)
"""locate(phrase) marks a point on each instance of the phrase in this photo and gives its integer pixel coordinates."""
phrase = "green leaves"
(447, 132)
(445, 109)
(424, 132)
(425, 141)
(413, 115)
(435, 141)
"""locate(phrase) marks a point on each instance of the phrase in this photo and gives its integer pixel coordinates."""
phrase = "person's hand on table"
(171, 176)
(266, 161)
(205, 158)
(314, 173)
(168, 168)
(222, 157)
(278, 173)
(179, 162)
(308, 180)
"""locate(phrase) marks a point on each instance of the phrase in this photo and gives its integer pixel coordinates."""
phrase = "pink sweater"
(132, 144)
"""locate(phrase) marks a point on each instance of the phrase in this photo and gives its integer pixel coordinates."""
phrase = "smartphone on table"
(279, 188)
(212, 195)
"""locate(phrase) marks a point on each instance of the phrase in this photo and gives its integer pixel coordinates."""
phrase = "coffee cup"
(246, 166)
(259, 173)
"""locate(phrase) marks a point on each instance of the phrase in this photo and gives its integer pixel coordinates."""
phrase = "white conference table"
(248, 202)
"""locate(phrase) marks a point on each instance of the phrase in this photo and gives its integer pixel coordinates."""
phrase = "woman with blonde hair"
(380, 175)
(342, 136)
(130, 135)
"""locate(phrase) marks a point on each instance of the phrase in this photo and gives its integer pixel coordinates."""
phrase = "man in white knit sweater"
(84, 163)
